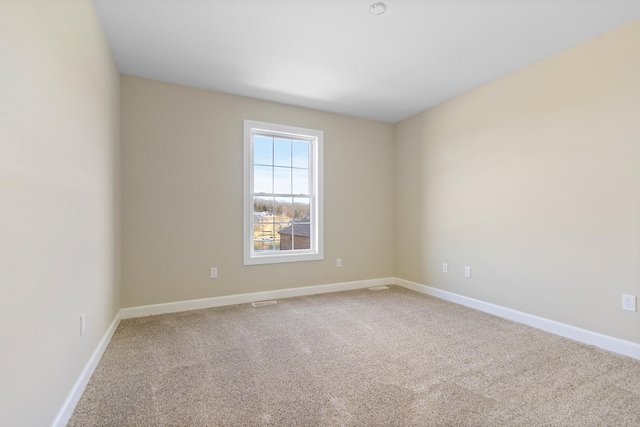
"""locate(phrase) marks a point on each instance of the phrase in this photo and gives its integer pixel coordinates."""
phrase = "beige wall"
(534, 182)
(182, 151)
(59, 211)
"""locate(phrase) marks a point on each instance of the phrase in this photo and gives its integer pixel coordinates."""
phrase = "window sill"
(281, 258)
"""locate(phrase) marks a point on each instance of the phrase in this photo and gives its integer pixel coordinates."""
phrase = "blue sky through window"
(262, 150)
(281, 165)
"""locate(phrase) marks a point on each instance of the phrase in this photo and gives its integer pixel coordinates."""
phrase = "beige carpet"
(358, 358)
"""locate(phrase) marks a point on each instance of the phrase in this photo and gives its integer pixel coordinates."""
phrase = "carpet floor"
(357, 358)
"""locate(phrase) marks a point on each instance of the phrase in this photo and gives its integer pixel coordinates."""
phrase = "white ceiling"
(333, 55)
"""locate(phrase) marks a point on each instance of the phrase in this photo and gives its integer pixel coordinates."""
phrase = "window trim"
(316, 252)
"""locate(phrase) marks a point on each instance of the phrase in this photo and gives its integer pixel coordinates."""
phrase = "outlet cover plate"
(629, 302)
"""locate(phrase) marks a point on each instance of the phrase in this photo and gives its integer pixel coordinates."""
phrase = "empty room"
(308, 213)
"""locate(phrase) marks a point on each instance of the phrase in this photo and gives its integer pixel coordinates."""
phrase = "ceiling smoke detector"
(378, 8)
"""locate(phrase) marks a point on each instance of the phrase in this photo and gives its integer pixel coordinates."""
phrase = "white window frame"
(316, 138)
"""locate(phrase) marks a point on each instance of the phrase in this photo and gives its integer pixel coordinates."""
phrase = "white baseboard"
(78, 388)
(174, 307)
(616, 345)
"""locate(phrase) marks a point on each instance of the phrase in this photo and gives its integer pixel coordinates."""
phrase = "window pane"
(263, 246)
(263, 237)
(301, 154)
(262, 150)
(282, 241)
(282, 152)
(282, 180)
(284, 209)
(301, 235)
(263, 205)
(263, 179)
(301, 208)
(300, 181)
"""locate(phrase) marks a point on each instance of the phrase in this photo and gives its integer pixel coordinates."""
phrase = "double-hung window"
(282, 193)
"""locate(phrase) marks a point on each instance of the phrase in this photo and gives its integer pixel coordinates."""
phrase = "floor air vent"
(263, 303)
(378, 288)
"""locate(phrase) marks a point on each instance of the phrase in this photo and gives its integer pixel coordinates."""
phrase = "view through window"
(281, 193)
(283, 180)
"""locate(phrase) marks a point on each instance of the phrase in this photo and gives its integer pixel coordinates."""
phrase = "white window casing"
(276, 181)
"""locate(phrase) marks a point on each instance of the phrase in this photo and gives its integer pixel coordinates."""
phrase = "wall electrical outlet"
(338, 262)
(445, 267)
(214, 272)
(467, 272)
(629, 302)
